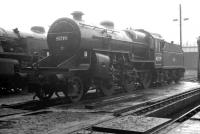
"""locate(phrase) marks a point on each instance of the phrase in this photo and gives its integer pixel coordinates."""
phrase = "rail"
(182, 117)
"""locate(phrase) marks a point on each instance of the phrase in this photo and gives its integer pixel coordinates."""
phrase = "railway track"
(155, 105)
(154, 130)
(98, 103)
(36, 106)
(28, 108)
(152, 109)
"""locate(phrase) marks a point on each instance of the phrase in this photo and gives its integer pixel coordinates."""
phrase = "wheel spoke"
(75, 91)
(129, 86)
(105, 88)
(44, 93)
(146, 80)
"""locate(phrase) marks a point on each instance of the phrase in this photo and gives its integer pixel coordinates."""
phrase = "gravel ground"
(133, 123)
(53, 122)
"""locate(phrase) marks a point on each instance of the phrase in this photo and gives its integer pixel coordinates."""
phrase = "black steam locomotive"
(17, 51)
(84, 57)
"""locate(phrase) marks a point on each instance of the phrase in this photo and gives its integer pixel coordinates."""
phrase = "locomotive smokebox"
(64, 38)
(77, 15)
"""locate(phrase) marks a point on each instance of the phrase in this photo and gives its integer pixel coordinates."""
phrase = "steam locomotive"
(17, 51)
(84, 57)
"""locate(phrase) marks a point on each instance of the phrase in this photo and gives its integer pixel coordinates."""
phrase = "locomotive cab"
(159, 45)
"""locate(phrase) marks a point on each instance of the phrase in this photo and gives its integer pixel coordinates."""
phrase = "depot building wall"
(190, 60)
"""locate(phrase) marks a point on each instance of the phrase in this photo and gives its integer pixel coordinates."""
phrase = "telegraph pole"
(180, 23)
(180, 20)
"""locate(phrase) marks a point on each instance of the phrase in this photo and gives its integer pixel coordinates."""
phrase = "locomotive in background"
(84, 57)
(18, 50)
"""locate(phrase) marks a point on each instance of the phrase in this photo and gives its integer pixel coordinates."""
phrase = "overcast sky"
(152, 15)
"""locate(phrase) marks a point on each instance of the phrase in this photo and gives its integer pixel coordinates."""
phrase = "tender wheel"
(75, 91)
(170, 77)
(44, 93)
(129, 85)
(169, 81)
(146, 79)
(106, 88)
(177, 80)
(176, 77)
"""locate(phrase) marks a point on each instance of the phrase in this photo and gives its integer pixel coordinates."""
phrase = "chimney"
(107, 24)
(77, 15)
